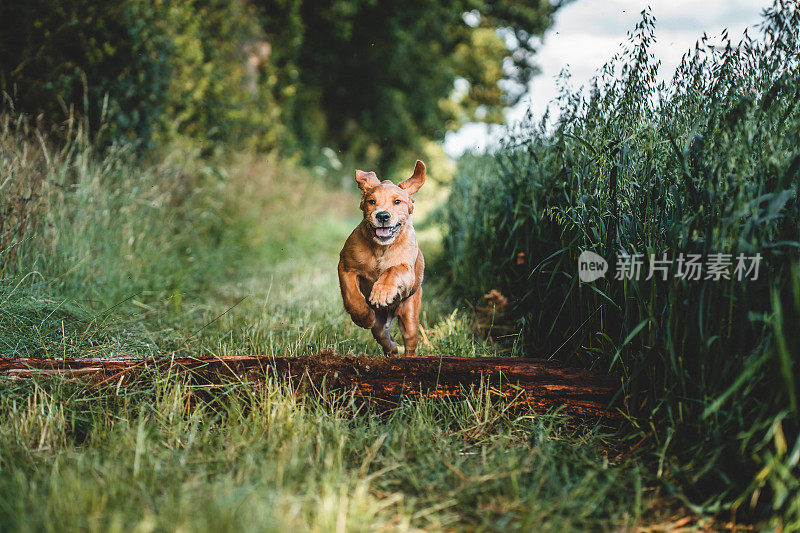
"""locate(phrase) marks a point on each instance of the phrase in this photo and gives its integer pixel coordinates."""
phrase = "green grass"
(125, 257)
(707, 163)
(73, 458)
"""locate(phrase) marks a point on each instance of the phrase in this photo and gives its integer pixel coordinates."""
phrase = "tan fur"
(381, 278)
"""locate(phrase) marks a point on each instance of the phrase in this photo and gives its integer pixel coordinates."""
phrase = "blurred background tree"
(377, 78)
(374, 80)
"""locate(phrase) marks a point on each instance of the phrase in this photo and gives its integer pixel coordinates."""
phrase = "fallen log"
(536, 383)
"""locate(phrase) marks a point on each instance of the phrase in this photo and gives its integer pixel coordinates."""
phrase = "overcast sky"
(587, 33)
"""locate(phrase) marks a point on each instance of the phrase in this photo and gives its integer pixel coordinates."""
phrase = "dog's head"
(387, 206)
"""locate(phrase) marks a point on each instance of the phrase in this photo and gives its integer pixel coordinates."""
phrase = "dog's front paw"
(382, 294)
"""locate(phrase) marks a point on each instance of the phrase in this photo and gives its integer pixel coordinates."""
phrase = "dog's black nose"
(383, 217)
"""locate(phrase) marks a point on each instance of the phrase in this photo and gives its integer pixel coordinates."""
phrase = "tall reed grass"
(708, 163)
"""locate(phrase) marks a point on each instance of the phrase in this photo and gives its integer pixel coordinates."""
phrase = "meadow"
(121, 256)
(114, 248)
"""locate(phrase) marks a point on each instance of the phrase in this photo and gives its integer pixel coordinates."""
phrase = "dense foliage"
(706, 164)
(136, 69)
(377, 76)
(369, 78)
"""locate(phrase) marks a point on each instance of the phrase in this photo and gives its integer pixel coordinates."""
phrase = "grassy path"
(133, 459)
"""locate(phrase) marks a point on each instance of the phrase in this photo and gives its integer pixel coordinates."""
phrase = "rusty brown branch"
(535, 383)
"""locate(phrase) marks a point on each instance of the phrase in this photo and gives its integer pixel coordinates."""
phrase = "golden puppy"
(380, 266)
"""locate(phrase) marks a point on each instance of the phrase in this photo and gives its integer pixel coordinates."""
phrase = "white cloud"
(587, 33)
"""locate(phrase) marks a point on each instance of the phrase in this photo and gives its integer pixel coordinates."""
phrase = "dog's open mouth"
(385, 233)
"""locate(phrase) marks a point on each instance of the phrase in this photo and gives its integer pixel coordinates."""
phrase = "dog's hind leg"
(382, 331)
(408, 318)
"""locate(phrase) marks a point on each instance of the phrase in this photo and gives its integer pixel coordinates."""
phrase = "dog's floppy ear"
(366, 180)
(412, 184)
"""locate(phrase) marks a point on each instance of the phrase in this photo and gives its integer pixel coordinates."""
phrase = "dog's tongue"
(383, 232)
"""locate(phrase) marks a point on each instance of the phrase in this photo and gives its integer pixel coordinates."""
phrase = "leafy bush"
(706, 164)
(138, 70)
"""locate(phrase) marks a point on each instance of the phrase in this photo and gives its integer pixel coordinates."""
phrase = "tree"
(375, 78)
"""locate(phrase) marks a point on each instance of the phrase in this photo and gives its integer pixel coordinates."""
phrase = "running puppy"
(380, 266)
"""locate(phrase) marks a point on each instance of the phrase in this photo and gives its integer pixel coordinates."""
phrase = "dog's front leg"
(395, 282)
(354, 302)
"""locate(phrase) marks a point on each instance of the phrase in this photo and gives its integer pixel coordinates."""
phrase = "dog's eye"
(397, 201)
(371, 202)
